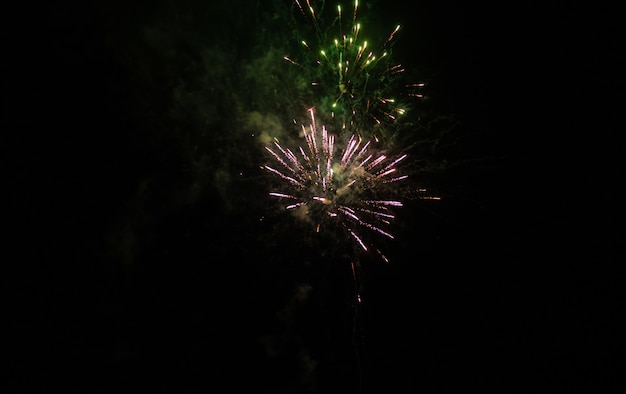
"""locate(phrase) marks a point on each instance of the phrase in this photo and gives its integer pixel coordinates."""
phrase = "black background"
(136, 259)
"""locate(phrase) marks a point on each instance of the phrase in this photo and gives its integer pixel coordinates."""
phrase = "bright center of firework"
(325, 189)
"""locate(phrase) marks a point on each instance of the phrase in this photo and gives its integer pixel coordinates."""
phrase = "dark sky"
(145, 255)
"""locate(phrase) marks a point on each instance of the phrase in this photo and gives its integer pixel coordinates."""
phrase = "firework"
(344, 190)
(351, 80)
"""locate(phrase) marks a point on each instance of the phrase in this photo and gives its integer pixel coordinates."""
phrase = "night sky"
(144, 254)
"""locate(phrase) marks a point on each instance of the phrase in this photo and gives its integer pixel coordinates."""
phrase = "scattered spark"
(353, 81)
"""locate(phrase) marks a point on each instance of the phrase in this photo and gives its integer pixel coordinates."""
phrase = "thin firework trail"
(342, 180)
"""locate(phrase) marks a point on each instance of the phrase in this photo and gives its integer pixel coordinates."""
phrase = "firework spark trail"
(331, 191)
(355, 82)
